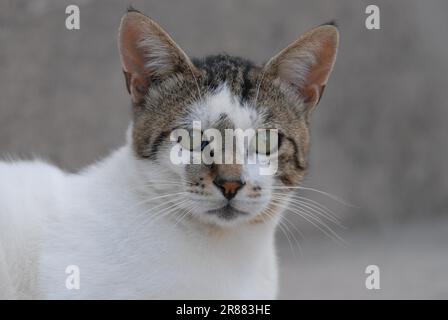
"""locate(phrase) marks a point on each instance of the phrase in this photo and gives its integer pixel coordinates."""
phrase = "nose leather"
(228, 188)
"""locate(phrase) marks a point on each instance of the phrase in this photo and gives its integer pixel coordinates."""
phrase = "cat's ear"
(148, 54)
(306, 63)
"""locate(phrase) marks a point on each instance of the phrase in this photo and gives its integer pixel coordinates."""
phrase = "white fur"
(50, 220)
(98, 220)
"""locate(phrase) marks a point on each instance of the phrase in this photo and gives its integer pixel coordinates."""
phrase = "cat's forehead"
(228, 102)
(222, 109)
(238, 74)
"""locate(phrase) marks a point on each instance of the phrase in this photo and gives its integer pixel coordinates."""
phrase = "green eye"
(265, 142)
(190, 143)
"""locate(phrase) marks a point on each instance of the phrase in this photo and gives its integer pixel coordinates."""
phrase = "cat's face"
(222, 94)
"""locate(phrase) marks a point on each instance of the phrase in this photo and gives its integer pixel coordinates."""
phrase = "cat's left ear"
(306, 63)
(148, 54)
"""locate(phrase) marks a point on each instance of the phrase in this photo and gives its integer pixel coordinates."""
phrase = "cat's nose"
(228, 188)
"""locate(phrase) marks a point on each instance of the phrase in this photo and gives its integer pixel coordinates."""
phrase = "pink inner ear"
(133, 59)
(319, 73)
(315, 83)
(307, 63)
(133, 29)
(147, 53)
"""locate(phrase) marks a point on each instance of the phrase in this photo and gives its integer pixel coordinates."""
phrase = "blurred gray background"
(379, 133)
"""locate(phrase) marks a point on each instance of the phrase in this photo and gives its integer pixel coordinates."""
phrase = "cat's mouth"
(228, 212)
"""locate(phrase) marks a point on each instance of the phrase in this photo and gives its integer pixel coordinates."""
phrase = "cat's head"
(171, 92)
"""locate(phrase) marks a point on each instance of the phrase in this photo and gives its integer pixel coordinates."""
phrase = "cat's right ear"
(148, 54)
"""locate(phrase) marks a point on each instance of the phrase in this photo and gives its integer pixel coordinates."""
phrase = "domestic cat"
(138, 226)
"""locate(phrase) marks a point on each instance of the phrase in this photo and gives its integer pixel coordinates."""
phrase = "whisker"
(292, 234)
(170, 180)
(317, 204)
(331, 196)
(283, 229)
(147, 201)
(314, 221)
(186, 213)
(285, 224)
(163, 196)
(154, 216)
(306, 206)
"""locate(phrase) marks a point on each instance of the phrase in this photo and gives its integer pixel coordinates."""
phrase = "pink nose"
(228, 188)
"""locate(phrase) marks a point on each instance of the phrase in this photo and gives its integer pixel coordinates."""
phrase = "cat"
(137, 226)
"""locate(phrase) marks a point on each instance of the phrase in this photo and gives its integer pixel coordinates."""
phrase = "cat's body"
(27, 198)
(78, 220)
(140, 224)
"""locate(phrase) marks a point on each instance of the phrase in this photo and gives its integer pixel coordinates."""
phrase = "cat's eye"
(194, 141)
(265, 142)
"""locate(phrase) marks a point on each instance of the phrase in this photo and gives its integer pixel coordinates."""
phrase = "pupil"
(204, 144)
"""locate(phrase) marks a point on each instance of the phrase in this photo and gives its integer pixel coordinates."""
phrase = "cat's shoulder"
(28, 168)
(28, 177)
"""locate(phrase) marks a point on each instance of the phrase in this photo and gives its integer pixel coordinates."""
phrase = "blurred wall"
(379, 134)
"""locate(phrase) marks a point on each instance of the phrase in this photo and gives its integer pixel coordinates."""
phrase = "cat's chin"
(225, 217)
(227, 213)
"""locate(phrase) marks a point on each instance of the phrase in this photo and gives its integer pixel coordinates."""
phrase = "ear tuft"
(132, 9)
(331, 23)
